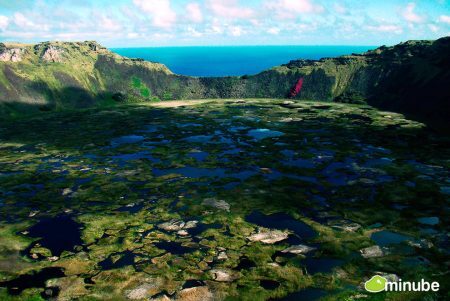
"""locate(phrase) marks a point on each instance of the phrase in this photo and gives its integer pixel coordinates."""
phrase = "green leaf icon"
(375, 284)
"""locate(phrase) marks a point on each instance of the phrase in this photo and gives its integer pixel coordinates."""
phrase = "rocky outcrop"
(94, 46)
(52, 54)
(10, 54)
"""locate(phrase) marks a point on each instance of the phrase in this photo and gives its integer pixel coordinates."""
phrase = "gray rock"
(420, 243)
(140, 292)
(371, 252)
(223, 275)
(172, 225)
(345, 225)
(268, 236)
(219, 204)
(198, 293)
(183, 233)
(298, 249)
(286, 119)
(190, 224)
(67, 191)
(177, 225)
(222, 256)
(288, 102)
(33, 213)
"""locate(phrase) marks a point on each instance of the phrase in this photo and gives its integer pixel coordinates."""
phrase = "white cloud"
(109, 24)
(133, 35)
(339, 8)
(162, 36)
(4, 21)
(433, 27)
(193, 32)
(194, 12)
(273, 30)
(223, 21)
(21, 21)
(293, 8)
(444, 19)
(306, 27)
(386, 28)
(255, 22)
(216, 29)
(236, 31)
(229, 9)
(160, 11)
(347, 28)
(409, 14)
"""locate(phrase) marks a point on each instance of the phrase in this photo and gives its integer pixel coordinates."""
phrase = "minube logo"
(379, 283)
(376, 284)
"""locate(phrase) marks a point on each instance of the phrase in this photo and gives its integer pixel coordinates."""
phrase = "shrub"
(145, 92)
(136, 82)
(167, 96)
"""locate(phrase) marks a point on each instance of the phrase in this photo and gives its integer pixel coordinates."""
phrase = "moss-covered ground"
(143, 202)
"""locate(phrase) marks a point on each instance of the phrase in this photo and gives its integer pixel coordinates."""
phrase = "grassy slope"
(409, 78)
(73, 81)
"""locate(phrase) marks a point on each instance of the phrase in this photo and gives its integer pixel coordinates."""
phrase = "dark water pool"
(34, 279)
(126, 140)
(125, 258)
(386, 238)
(58, 234)
(259, 134)
(320, 265)
(269, 284)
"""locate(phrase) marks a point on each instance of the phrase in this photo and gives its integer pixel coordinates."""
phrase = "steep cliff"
(411, 77)
(57, 75)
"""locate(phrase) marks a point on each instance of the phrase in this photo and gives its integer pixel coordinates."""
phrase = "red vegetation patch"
(296, 89)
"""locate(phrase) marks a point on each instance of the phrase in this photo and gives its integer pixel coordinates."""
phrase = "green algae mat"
(224, 200)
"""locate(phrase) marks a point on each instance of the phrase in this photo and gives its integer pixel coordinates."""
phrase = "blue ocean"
(233, 60)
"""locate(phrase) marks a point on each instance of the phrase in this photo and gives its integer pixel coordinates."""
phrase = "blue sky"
(134, 23)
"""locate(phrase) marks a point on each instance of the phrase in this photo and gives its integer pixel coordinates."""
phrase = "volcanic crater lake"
(219, 199)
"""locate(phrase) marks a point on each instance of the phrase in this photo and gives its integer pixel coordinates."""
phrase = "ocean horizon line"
(237, 46)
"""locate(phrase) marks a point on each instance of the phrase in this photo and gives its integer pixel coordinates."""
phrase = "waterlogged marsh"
(250, 200)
